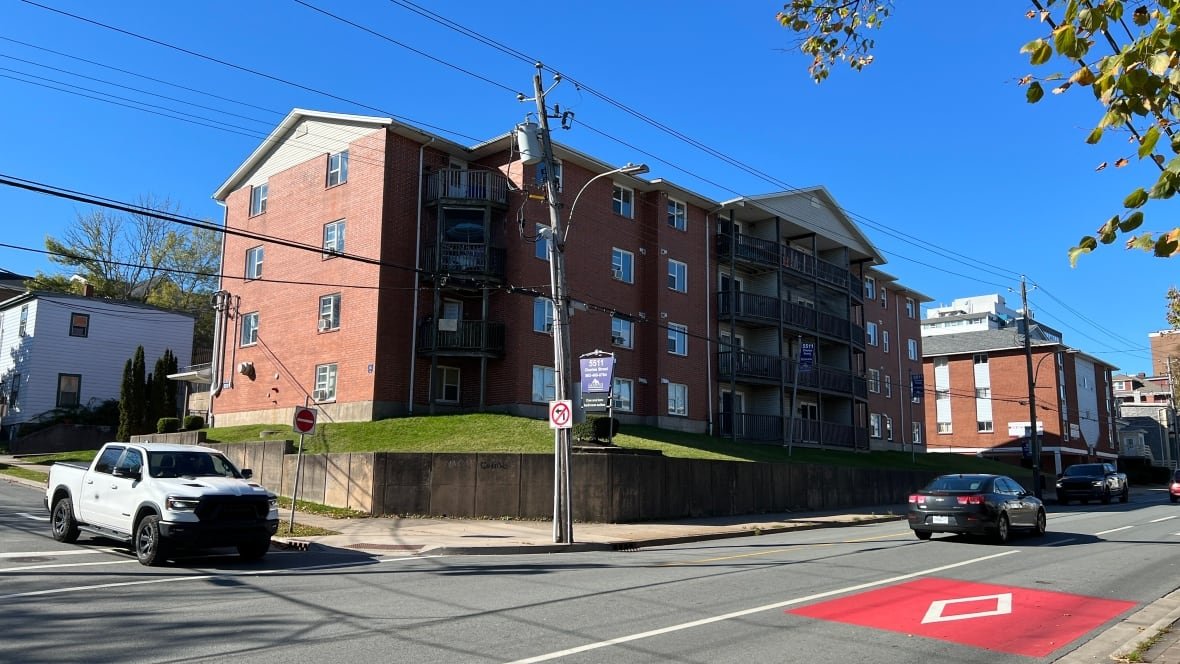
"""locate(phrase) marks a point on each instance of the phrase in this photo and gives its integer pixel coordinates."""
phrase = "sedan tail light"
(1175, 487)
(916, 499)
(971, 500)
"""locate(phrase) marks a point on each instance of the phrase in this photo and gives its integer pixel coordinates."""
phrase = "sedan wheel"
(1040, 522)
(1003, 530)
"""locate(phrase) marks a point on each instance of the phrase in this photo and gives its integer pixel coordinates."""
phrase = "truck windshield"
(190, 464)
(1085, 469)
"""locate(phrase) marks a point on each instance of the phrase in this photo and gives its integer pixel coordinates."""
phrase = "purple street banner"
(806, 357)
(597, 373)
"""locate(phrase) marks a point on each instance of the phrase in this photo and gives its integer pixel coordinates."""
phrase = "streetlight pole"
(1034, 441)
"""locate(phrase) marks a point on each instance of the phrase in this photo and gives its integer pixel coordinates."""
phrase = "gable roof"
(979, 341)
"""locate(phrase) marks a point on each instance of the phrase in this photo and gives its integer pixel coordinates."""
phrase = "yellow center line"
(774, 551)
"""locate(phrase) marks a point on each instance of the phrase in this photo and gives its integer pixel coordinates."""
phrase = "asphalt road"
(866, 593)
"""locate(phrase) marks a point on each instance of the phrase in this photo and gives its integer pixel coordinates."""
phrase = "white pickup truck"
(159, 498)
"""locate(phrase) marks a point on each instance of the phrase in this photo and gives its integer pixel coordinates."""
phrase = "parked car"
(1174, 486)
(976, 505)
(1092, 481)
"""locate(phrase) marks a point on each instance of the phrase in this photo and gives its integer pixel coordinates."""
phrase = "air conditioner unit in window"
(616, 340)
(617, 274)
(324, 325)
(320, 395)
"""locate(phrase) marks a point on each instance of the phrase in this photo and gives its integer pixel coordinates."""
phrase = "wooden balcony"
(772, 429)
(461, 338)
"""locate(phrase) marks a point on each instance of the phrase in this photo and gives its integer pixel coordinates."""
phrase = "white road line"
(201, 577)
(26, 568)
(34, 517)
(746, 612)
(1112, 530)
(1161, 519)
(71, 552)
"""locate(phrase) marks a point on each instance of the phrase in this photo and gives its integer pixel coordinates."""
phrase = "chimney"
(87, 290)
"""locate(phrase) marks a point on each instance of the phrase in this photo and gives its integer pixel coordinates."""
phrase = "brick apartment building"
(977, 377)
(378, 270)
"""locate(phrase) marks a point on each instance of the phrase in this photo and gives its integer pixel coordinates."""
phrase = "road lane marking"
(1165, 518)
(1113, 530)
(5, 570)
(758, 609)
(71, 552)
(773, 551)
(34, 517)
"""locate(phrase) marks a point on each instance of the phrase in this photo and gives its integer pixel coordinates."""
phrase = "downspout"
(709, 337)
(417, 277)
(218, 324)
(902, 402)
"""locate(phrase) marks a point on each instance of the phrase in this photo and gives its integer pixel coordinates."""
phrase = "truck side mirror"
(127, 472)
(247, 473)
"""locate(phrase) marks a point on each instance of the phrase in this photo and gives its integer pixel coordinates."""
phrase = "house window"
(543, 315)
(621, 391)
(621, 331)
(984, 426)
(333, 238)
(254, 263)
(911, 348)
(916, 433)
(622, 265)
(874, 381)
(678, 399)
(622, 201)
(541, 246)
(983, 393)
(888, 427)
(677, 276)
(13, 389)
(24, 321)
(884, 297)
(544, 384)
(888, 385)
(446, 385)
(980, 358)
(677, 339)
(69, 390)
(250, 328)
(79, 325)
(870, 288)
(875, 425)
(677, 215)
(871, 333)
(329, 312)
(325, 382)
(885, 340)
(1120, 385)
(911, 308)
(258, 199)
(337, 168)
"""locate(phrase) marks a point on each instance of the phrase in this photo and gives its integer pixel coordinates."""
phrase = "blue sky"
(932, 150)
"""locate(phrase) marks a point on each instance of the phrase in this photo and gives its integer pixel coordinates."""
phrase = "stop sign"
(304, 421)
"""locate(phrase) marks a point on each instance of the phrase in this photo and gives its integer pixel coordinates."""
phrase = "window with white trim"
(79, 325)
(888, 421)
(677, 214)
(69, 390)
(325, 382)
(884, 297)
(885, 340)
(678, 399)
(23, 330)
(254, 262)
(622, 265)
(677, 276)
(329, 313)
(544, 384)
(623, 201)
(874, 381)
(446, 385)
(911, 308)
(916, 433)
(984, 426)
(870, 288)
(621, 332)
(871, 333)
(333, 238)
(543, 315)
(887, 383)
(258, 199)
(875, 425)
(677, 339)
(338, 168)
(911, 348)
(541, 246)
(250, 328)
(622, 391)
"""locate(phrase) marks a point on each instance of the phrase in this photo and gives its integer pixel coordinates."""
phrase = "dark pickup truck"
(1092, 481)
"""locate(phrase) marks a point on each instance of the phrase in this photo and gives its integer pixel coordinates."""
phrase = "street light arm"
(629, 169)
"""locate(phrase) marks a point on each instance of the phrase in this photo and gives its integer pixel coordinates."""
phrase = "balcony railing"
(461, 337)
(467, 185)
(748, 307)
(753, 367)
(747, 367)
(468, 258)
(771, 429)
(768, 253)
(749, 250)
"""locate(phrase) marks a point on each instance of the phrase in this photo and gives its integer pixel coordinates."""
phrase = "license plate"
(940, 520)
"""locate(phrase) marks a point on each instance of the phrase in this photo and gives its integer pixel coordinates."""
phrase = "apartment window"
(911, 348)
(24, 321)
(622, 265)
(677, 339)
(79, 325)
(258, 199)
(874, 381)
(543, 315)
(621, 332)
(329, 312)
(622, 201)
(446, 385)
(888, 421)
(69, 390)
(884, 297)
(541, 246)
(677, 276)
(250, 328)
(544, 384)
(677, 399)
(916, 433)
(325, 382)
(875, 425)
(942, 408)
(337, 168)
(871, 333)
(983, 393)
(621, 392)
(13, 389)
(979, 358)
(944, 427)
(888, 385)
(885, 340)
(333, 238)
(677, 215)
(984, 426)
(911, 308)
(254, 263)
(870, 288)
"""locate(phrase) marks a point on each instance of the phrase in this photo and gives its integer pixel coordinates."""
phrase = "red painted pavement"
(1014, 620)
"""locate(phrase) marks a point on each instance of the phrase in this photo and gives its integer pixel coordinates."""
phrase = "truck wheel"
(255, 549)
(1003, 529)
(149, 547)
(65, 527)
(1125, 495)
(1106, 496)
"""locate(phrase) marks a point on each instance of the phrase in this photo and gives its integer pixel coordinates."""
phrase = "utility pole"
(1034, 442)
(563, 523)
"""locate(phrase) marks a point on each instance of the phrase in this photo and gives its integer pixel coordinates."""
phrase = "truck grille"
(232, 508)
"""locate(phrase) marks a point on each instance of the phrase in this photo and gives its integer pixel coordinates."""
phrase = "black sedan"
(975, 504)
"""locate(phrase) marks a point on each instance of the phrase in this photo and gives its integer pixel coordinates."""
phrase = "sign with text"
(596, 400)
(806, 357)
(917, 387)
(597, 373)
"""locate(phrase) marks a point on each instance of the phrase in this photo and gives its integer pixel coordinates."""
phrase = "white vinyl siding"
(310, 138)
(942, 397)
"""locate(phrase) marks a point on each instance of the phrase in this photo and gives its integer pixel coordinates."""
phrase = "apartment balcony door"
(733, 407)
(727, 281)
(457, 179)
(807, 416)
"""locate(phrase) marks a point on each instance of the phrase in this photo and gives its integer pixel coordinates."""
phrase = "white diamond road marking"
(934, 613)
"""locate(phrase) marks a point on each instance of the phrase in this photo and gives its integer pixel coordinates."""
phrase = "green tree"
(1135, 81)
(137, 402)
(125, 409)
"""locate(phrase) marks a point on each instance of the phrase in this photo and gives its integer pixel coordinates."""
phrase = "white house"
(60, 350)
